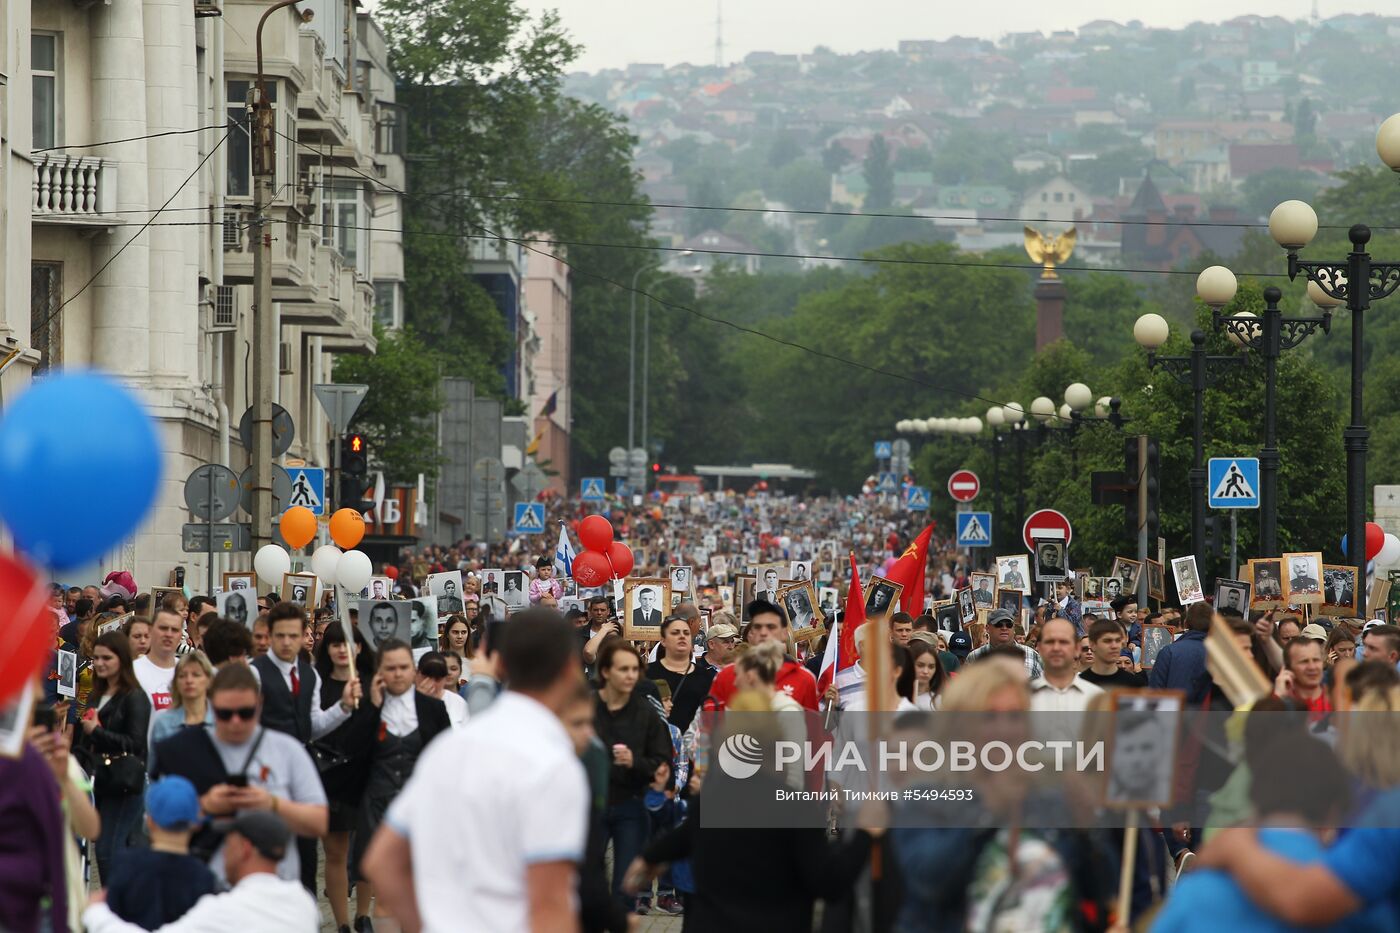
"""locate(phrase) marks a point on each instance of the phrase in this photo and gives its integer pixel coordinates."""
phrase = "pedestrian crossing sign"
(916, 499)
(1233, 483)
(974, 529)
(529, 518)
(593, 489)
(308, 489)
(889, 483)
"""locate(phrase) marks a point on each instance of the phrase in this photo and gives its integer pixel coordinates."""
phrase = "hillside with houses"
(1197, 131)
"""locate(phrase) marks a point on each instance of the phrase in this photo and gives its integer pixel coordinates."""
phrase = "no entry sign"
(964, 485)
(1047, 523)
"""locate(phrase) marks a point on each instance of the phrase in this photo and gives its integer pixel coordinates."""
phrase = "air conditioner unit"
(233, 230)
(226, 308)
(206, 8)
(284, 358)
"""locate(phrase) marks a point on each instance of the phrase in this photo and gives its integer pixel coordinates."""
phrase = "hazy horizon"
(616, 33)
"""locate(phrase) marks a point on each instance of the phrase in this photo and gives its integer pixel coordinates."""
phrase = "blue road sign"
(883, 450)
(889, 483)
(529, 518)
(974, 529)
(593, 489)
(1233, 483)
(308, 488)
(916, 498)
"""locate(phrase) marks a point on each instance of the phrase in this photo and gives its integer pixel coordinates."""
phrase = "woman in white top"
(928, 676)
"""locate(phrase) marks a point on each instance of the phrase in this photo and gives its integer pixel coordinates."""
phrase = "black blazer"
(123, 725)
(432, 722)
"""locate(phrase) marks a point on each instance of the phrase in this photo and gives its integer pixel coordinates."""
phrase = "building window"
(240, 140)
(46, 320)
(43, 59)
(344, 222)
(386, 298)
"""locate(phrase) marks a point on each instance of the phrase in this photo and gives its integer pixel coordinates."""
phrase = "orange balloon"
(298, 526)
(347, 528)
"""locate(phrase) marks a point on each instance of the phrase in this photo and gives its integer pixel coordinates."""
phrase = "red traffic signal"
(357, 443)
(656, 468)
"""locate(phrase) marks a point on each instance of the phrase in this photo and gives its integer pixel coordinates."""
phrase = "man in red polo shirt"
(767, 623)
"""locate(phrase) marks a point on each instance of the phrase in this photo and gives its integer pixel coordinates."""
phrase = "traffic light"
(1144, 481)
(656, 468)
(354, 473)
(1215, 534)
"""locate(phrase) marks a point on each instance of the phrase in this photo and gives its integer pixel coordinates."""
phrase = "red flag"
(852, 619)
(910, 569)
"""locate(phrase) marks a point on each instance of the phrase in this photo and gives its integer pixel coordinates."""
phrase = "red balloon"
(391, 572)
(596, 533)
(620, 555)
(591, 568)
(30, 628)
(1375, 540)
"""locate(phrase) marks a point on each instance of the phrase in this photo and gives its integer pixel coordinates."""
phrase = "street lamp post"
(1268, 337)
(1198, 370)
(1356, 281)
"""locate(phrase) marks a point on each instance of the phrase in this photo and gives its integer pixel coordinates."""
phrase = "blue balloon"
(79, 468)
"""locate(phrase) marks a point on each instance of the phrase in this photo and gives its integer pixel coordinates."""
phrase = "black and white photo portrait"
(493, 582)
(1093, 589)
(800, 570)
(1154, 639)
(1267, 576)
(1140, 764)
(68, 673)
(514, 592)
(239, 580)
(799, 604)
(769, 585)
(1112, 588)
(1156, 581)
(447, 587)
(967, 607)
(1188, 580)
(1014, 572)
(1126, 570)
(881, 597)
(238, 606)
(830, 598)
(382, 620)
(1338, 590)
(423, 624)
(1232, 594)
(646, 603)
(948, 617)
(719, 566)
(380, 587)
(1302, 581)
(1010, 600)
(14, 723)
(299, 588)
(1051, 560)
(680, 580)
(984, 590)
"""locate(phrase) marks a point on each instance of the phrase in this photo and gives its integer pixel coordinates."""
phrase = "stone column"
(1049, 312)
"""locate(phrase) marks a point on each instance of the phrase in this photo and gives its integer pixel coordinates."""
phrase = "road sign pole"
(1142, 524)
(1234, 544)
(209, 571)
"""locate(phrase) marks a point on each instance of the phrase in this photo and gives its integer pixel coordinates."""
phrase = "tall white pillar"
(120, 315)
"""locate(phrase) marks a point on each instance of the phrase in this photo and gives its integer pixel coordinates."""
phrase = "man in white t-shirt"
(156, 669)
(514, 770)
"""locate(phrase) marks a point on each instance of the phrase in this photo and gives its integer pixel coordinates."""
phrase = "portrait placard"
(238, 606)
(967, 607)
(1266, 579)
(984, 590)
(68, 673)
(447, 587)
(1156, 580)
(382, 620)
(15, 718)
(299, 588)
(644, 607)
(1127, 571)
(1188, 580)
(240, 580)
(881, 596)
(1142, 748)
(804, 615)
(1339, 591)
(1014, 572)
(1051, 560)
(1302, 578)
(1154, 639)
(1232, 594)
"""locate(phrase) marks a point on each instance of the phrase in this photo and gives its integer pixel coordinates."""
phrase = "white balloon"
(1390, 551)
(323, 563)
(353, 571)
(270, 563)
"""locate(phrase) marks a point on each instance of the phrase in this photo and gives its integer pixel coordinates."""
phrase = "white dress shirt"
(1073, 698)
(323, 721)
(399, 713)
(457, 712)
(261, 902)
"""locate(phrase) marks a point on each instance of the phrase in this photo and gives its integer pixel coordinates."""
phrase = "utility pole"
(264, 320)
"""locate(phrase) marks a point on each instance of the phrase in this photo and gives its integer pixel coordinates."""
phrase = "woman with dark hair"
(456, 636)
(112, 746)
(339, 764)
(638, 741)
(926, 674)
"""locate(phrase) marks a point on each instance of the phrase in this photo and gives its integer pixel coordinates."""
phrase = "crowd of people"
(542, 772)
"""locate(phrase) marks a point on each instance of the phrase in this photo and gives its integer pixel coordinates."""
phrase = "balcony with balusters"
(75, 190)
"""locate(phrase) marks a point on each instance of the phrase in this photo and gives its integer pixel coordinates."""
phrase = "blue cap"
(172, 803)
(960, 644)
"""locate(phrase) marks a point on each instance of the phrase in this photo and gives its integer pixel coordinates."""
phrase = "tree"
(1366, 193)
(396, 416)
(1264, 190)
(879, 176)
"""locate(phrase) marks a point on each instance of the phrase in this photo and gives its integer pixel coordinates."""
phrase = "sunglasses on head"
(242, 712)
(1003, 624)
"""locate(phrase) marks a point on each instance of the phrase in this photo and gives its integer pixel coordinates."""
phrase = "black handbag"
(326, 757)
(123, 773)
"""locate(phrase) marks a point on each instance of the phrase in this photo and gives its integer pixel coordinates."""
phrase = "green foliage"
(1263, 191)
(396, 414)
(879, 176)
(1367, 194)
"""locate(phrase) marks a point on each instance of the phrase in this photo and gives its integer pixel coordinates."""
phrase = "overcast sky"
(618, 32)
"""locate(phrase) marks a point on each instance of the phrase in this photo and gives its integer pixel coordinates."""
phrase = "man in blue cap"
(152, 887)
